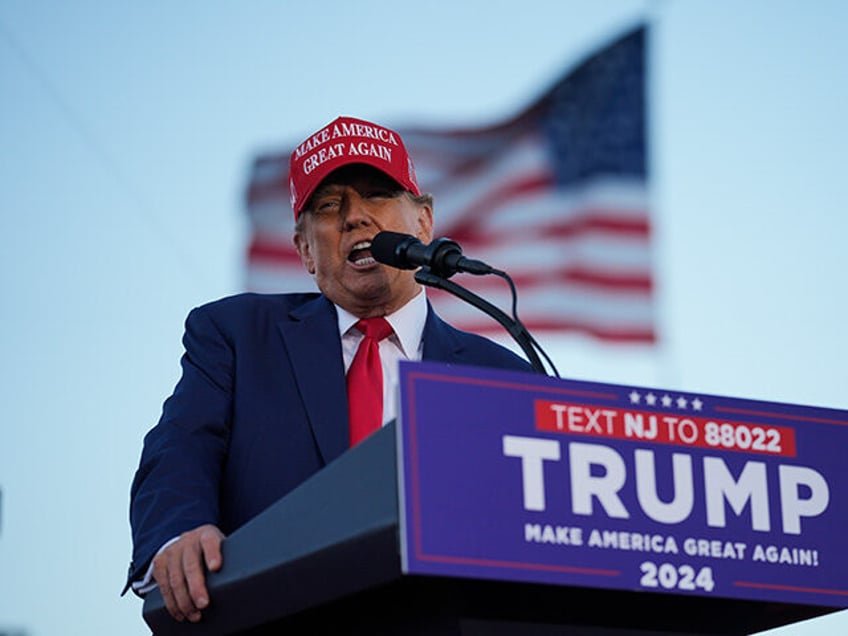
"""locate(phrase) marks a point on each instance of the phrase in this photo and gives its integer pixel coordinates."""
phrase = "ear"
(301, 243)
(425, 224)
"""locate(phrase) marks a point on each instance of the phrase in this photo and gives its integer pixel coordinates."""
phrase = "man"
(263, 402)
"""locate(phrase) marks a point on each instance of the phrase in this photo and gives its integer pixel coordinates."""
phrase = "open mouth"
(360, 254)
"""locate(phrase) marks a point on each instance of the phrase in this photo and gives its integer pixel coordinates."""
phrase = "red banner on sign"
(664, 428)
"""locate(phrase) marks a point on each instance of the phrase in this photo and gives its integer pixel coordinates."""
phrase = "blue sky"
(127, 132)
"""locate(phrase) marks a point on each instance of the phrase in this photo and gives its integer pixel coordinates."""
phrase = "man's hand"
(179, 571)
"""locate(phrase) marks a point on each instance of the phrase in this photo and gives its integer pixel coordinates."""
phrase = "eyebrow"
(324, 189)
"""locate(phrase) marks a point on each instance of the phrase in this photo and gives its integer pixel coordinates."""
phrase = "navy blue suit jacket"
(261, 406)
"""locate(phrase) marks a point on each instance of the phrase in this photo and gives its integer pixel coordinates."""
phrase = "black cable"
(517, 320)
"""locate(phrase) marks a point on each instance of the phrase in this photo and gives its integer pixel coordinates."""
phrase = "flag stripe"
(591, 254)
(563, 302)
(637, 334)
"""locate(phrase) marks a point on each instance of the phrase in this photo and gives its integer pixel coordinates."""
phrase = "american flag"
(557, 197)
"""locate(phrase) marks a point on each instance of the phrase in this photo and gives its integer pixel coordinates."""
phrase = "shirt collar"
(407, 323)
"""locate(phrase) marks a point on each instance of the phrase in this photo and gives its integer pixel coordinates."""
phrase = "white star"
(634, 397)
(666, 400)
(651, 399)
(697, 404)
(681, 402)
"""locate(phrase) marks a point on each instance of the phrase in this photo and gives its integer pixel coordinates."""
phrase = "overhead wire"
(76, 122)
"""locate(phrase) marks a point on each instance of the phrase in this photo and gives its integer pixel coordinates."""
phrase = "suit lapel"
(440, 341)
(311, 336)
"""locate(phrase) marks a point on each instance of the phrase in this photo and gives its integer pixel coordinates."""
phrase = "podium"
(326, 559)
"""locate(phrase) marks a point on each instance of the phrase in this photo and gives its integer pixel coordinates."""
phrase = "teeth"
(364, 260)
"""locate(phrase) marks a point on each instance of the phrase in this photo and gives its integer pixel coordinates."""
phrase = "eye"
(326, 205)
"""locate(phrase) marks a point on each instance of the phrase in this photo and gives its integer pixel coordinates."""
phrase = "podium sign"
(511, 476)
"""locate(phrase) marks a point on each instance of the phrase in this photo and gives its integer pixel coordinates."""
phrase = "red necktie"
(365, 380)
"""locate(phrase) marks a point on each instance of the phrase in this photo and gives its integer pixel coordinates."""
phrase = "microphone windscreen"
(389, 248)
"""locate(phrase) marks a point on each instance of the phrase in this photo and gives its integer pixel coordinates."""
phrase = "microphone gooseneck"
(440, 260)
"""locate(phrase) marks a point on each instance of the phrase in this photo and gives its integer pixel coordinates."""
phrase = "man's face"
(349, 208)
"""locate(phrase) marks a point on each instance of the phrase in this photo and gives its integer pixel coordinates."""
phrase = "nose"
(356, 213)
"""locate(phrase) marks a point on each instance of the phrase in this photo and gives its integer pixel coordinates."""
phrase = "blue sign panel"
(518, 477)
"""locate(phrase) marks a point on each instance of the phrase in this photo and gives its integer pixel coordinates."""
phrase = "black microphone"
(443, 256)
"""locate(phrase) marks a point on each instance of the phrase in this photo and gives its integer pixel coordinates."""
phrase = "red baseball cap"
(345, 141)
